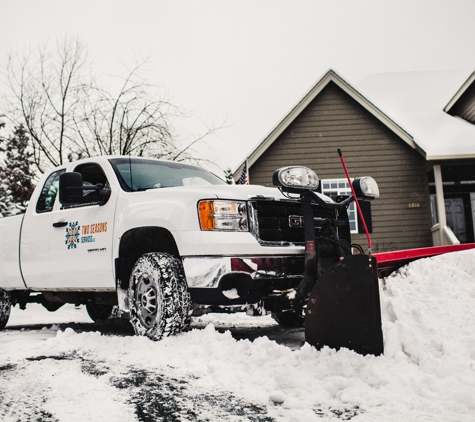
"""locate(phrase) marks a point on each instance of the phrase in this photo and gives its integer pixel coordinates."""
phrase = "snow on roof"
(416, 102)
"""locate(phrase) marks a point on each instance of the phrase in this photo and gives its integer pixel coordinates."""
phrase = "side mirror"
(70, 188)
(366, 188)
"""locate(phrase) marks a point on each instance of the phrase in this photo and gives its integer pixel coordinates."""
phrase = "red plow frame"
(390, 261)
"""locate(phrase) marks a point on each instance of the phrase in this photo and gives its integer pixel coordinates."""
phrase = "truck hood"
(233, 192)
(241, 192)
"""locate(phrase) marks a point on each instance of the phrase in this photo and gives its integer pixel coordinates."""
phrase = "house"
(413, 132)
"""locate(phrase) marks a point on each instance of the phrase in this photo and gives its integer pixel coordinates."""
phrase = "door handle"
(60, 224)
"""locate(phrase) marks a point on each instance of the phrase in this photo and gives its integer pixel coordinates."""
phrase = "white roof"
(416, 102)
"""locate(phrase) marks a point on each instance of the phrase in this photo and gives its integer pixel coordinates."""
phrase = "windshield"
(141, 174)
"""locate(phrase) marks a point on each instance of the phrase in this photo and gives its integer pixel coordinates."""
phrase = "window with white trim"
(336, 187)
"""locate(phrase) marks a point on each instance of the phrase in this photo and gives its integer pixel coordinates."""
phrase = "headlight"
(295, 178)
(223, 215)
(366, 188)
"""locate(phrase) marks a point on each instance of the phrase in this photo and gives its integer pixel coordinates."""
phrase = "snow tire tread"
(5, 308)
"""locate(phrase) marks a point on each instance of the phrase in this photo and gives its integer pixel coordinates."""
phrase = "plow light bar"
(223, 215)
(366, 188)
(295, 177)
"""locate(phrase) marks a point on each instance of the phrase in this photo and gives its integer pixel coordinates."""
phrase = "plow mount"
(340, 291)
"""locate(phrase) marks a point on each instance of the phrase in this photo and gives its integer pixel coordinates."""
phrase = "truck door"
(81, 238)
(36, 232)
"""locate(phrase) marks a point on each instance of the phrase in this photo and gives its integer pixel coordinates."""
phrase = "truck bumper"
(240, 280)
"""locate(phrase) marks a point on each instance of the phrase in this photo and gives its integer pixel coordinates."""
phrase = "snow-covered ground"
(52, 371)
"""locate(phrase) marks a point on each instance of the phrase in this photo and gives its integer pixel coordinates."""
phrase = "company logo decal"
(72, 235)
(76, 234)
(295, 221)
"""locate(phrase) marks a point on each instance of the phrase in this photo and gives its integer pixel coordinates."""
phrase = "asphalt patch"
(159, 398)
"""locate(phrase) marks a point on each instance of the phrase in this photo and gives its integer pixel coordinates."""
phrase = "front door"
(472, 206)
(455, 214)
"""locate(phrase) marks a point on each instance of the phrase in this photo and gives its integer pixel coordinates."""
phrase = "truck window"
(92, 174)
(136, 174)
(48, 193)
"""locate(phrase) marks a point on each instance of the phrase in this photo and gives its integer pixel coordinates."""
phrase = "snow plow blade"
(391, 261)
(344, 309)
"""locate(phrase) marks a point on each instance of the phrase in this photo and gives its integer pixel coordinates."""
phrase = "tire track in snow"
(57, 389)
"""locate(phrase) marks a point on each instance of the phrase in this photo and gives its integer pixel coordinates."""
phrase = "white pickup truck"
(161, 240)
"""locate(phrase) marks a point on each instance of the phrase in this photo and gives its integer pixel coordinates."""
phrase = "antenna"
(360, 213)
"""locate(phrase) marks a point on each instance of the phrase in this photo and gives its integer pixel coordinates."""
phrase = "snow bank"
(426, 373)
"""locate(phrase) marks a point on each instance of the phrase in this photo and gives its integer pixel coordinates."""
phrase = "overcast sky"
(247, 63)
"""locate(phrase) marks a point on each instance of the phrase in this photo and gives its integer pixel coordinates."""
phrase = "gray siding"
(334, 120)
(465, 106)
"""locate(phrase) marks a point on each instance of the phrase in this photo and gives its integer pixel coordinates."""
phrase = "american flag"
(244, 179)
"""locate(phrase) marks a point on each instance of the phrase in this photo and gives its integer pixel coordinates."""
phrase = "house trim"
(449, 157)
(460, 92)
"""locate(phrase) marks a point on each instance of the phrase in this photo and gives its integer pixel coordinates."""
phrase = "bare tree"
(136, 120)
(44, 93)
(68, 115)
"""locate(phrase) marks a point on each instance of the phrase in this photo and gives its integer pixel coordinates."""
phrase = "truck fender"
(138, 241)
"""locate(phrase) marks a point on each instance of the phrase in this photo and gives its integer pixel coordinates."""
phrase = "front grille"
(273, 220)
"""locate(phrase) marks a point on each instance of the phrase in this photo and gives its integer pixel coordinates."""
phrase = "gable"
(335, 120)
(329, 78)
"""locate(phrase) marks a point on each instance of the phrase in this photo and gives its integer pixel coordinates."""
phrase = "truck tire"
(159, 301)
(98, 312)
(5, 308)
(288, 319)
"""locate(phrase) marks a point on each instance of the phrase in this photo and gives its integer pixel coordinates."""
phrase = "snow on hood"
(426, 373)
(242, 191)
